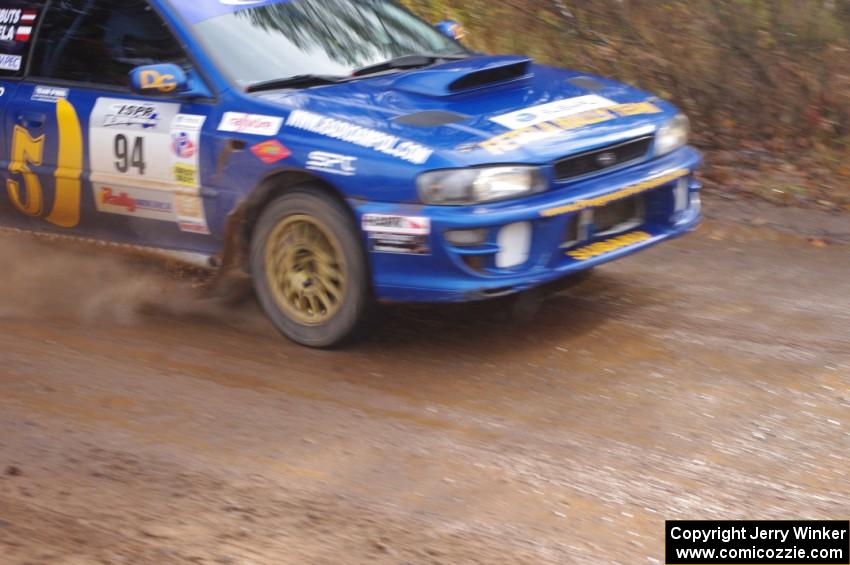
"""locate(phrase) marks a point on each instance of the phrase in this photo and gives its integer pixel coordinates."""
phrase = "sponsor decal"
(399, 243)
(2, 91)
(609, 245)
(331, 163)
(397, 234)
(141, 203)
(16, 25)
(270, 151)
(618, 195)
(556, 127)
(182, 145)
(191, 216)
(551, 111)
(10, 62)
(188, 122)
(363, 137)
(134, 115)
(185, 174)
(185, 210)
(152, 79)
(131, 140)
(123, 200)
(193, 227)
(396, 224)
(189, 206)
(253, 124)
(185, 147)
(49, 93)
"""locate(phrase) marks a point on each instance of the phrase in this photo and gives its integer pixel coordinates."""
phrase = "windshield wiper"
(302, 81)
(406, 62)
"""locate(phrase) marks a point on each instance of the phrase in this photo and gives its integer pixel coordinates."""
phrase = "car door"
(114, 165)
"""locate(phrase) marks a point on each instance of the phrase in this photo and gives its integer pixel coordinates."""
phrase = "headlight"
(672, 135)
(455, 187)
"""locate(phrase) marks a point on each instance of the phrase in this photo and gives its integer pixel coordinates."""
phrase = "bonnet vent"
(487, 77)
(465, 75)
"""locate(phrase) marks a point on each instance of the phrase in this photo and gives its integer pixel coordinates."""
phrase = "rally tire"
(310, 270)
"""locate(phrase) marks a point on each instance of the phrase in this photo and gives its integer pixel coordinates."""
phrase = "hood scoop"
(465, 75)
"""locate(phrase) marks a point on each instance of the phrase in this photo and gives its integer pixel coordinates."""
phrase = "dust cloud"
(57, 280)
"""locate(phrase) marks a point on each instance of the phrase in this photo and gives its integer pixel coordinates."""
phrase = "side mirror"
(451, 29)
(158, 80)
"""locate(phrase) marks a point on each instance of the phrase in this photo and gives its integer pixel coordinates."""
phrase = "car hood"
(486, 109)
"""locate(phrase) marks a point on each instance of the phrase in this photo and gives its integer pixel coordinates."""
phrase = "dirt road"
(707, 378)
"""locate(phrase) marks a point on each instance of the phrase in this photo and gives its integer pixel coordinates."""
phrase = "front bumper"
(550, 231)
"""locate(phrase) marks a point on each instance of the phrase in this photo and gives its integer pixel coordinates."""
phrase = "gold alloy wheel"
(305, 269)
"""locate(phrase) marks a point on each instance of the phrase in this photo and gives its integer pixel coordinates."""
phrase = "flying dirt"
(145, 422)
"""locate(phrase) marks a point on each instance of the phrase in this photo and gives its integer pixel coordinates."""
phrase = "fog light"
(466, 238)
(514, 245)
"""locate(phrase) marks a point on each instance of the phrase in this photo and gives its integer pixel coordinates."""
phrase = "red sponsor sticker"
(270, 151)
(121, 200)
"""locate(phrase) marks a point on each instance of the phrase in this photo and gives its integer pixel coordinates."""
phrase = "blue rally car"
(341, 152)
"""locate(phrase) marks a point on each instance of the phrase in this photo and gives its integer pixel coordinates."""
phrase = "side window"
(17, 26)
(100, 41)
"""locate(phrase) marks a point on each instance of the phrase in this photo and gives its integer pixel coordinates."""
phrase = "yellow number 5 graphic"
(27, 151)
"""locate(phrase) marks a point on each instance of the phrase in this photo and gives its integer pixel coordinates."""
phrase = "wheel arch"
(242, 219)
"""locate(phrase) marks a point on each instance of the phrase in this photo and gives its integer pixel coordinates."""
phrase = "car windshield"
(316, 37)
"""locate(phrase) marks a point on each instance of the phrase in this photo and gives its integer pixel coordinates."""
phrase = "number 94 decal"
(24, 186)
(126, 158)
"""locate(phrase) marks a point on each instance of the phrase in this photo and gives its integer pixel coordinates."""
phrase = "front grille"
(619, 216)
(601, 159)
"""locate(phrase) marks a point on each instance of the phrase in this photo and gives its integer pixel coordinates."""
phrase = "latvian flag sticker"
(25, 25)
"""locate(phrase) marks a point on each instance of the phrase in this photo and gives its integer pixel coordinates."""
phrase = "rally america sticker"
(133, 201)
(404, 235)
